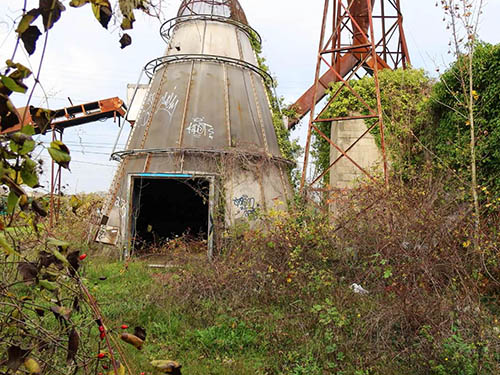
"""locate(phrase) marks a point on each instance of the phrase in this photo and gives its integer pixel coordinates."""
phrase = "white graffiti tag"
(121, 205)
(168, 103)
(198, 128)
(147, 107)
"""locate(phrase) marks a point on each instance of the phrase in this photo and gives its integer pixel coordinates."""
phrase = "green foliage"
(404, 95)
(449, 138)
(289, 149)
(229, 337)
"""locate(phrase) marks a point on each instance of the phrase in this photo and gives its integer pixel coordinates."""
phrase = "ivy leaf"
(60, 153)
(78, 3)
(27, 20)
(61, 245)
(42, 117)
(102, 11)
(7, 249)
(29, 38)
(21, 144)
(21, 71)
(125, 41)
(51, 12)
(45, 284)
(28, 172)
(128, 21)
(23, 202)
(12, 200)
(28, 129)
(14, 85)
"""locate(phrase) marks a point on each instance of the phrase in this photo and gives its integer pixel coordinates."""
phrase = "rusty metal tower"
(357, 37)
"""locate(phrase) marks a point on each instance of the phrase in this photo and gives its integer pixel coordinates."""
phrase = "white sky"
(84, 61)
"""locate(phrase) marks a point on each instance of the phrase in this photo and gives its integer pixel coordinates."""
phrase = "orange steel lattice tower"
(357, 36)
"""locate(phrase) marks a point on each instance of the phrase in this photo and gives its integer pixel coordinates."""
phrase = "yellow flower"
(466, 244)
(289, 280)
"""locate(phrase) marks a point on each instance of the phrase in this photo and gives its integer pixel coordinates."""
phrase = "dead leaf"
(132, 340)
(37, 207)
(140, 332)
(125, 41)
(61, 312)
(28, 271)
(167, 366)
(8, 113)
(51, 12)
(74, 262)
(73, 344)
(32, 366)
(102, 11)
(29, 38)
(27, 20)
(16, 357)
(41, 117)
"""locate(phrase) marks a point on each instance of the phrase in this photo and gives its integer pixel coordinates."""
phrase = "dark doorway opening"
(166, 208)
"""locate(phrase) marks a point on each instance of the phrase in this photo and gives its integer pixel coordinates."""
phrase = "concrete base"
(366, 153)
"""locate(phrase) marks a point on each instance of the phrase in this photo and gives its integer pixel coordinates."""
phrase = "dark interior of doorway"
(166, 208)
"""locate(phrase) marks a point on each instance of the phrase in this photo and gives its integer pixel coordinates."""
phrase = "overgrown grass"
(278, 300)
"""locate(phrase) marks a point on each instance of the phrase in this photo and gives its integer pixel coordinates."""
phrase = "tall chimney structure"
(203, 153)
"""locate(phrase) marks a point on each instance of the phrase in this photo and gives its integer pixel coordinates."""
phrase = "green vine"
(405, 96)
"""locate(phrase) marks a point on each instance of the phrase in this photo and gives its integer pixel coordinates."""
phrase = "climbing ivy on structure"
(289, 149)
(405, 96)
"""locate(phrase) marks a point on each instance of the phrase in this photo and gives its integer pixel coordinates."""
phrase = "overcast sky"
(84, 62)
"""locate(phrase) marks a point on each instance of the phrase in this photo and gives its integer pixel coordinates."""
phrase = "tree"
(49, 321)
(463, 19)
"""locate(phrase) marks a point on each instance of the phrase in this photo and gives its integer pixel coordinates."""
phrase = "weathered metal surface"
(226, 8)
(353, 21)
(206, 115)
(76, 115)
(351, 46)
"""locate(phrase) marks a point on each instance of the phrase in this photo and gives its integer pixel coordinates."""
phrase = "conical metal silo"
(203, 150)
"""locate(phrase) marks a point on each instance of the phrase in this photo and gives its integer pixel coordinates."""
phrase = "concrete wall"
(366, 153)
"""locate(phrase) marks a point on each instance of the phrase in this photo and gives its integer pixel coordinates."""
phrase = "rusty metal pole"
(377, 92)
(316, 84)
(402, 39)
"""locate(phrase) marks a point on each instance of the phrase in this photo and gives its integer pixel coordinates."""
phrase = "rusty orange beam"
(76, 115)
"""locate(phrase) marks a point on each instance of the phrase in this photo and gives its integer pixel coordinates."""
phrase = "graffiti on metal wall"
(147, 107)
(168, 103)
(199, 128)
(247, 205)
(121, 204)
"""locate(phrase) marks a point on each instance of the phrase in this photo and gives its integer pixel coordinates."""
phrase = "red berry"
(101, 355)
(101, 329)
(83, 256)
(124, 326)
(105, 367)
(102, 335)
